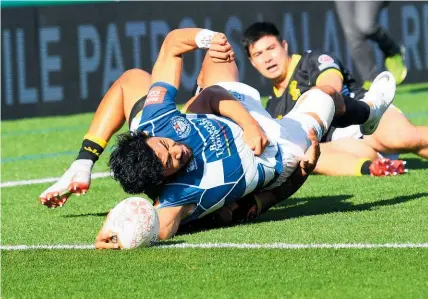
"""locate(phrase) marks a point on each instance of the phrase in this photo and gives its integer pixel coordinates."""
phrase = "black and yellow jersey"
(303, 72)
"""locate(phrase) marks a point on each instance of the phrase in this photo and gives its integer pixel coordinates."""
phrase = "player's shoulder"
(322, 59)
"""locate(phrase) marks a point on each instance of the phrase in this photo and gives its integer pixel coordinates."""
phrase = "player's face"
(173, 155)
(269, 57)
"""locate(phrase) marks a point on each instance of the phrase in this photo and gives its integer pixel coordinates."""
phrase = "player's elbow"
(170, 44)
(165, 234)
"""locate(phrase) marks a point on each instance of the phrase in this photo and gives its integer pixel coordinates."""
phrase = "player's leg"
(345, 157)
(116, 105)
(361, 51)
(366, 19)
(396, 134)
(210, 74)
(111, 114)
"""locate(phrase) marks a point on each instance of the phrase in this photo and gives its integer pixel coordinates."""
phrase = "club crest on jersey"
(181, 126)
(155, 95)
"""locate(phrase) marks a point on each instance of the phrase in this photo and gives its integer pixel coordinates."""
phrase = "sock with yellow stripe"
(92, 147)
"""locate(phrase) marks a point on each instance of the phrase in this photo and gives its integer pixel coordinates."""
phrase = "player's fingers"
(265, 141)
(312, 134)
(222, 48)
(219, 55)
(106, 245)
(232, 56)
(258, 149)
(219, 38)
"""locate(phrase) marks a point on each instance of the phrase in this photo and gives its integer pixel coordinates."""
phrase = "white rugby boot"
(379, 97)
(76, 179)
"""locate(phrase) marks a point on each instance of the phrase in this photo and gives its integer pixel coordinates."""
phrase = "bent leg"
(112, 112)
(344, 157)
(396, 134)
(210, 74)
(117, 103)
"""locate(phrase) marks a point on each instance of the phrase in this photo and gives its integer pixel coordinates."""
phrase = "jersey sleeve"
(322, 63)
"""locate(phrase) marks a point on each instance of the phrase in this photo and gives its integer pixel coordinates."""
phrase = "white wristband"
(203, 38)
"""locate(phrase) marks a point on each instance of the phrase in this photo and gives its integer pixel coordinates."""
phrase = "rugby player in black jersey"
(351, 152)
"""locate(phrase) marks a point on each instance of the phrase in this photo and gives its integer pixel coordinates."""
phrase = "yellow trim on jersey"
(96, 139)
(359, 165)
(295, 58)
(327, 72)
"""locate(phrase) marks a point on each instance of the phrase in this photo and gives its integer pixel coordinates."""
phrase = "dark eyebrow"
(169, 159)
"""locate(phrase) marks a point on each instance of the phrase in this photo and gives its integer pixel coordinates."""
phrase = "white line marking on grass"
(234, 245)
(293, 246)
(96, 175)
(32, 247)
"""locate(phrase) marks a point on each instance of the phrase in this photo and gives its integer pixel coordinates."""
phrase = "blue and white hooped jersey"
(223, 167)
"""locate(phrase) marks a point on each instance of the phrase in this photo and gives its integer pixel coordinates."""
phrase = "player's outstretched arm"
(168, 66)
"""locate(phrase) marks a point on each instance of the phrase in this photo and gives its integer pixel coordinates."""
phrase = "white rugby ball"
(135, 223)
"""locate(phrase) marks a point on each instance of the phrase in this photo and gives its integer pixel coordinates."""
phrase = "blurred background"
(60, 57)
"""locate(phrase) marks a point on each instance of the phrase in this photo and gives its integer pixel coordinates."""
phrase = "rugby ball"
(134, 222)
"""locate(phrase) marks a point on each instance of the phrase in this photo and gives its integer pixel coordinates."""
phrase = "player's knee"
(135, 76)
(339, 104)
(366, 27)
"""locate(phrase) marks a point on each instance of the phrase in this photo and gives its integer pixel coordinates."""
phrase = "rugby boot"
(76, 179)
(387, 167)
(396, 65)
(379, 97)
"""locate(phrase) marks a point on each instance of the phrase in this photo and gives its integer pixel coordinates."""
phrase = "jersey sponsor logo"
(326, 61)
(219, 142)
(181, 126)
(155, 95)
(294, 91)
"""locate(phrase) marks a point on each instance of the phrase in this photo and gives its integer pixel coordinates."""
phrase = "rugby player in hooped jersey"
(198, 189)
(162, 157)
(223, 168)
(292, 75)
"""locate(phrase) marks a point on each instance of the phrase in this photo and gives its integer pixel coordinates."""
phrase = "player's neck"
(282, 82)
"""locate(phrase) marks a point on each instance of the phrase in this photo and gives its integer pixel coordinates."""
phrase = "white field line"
(96, 175)
(234, 245)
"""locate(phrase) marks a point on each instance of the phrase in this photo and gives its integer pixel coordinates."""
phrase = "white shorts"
(290, 132)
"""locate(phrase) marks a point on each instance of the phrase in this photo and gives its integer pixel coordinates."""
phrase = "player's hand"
(309, 161)
(106, 239)
(255, 138)
(220, 50)
(76, 179)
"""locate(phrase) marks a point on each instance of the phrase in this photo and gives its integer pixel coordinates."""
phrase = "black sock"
(357, 112)
(91, 148)
(365, 167)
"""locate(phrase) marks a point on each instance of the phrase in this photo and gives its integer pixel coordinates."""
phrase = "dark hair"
(134, 164)
(256, 31)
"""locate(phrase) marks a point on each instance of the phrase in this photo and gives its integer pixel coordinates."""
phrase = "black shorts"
(138, 106)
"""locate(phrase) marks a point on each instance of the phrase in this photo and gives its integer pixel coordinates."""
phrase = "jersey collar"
(295, 58)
